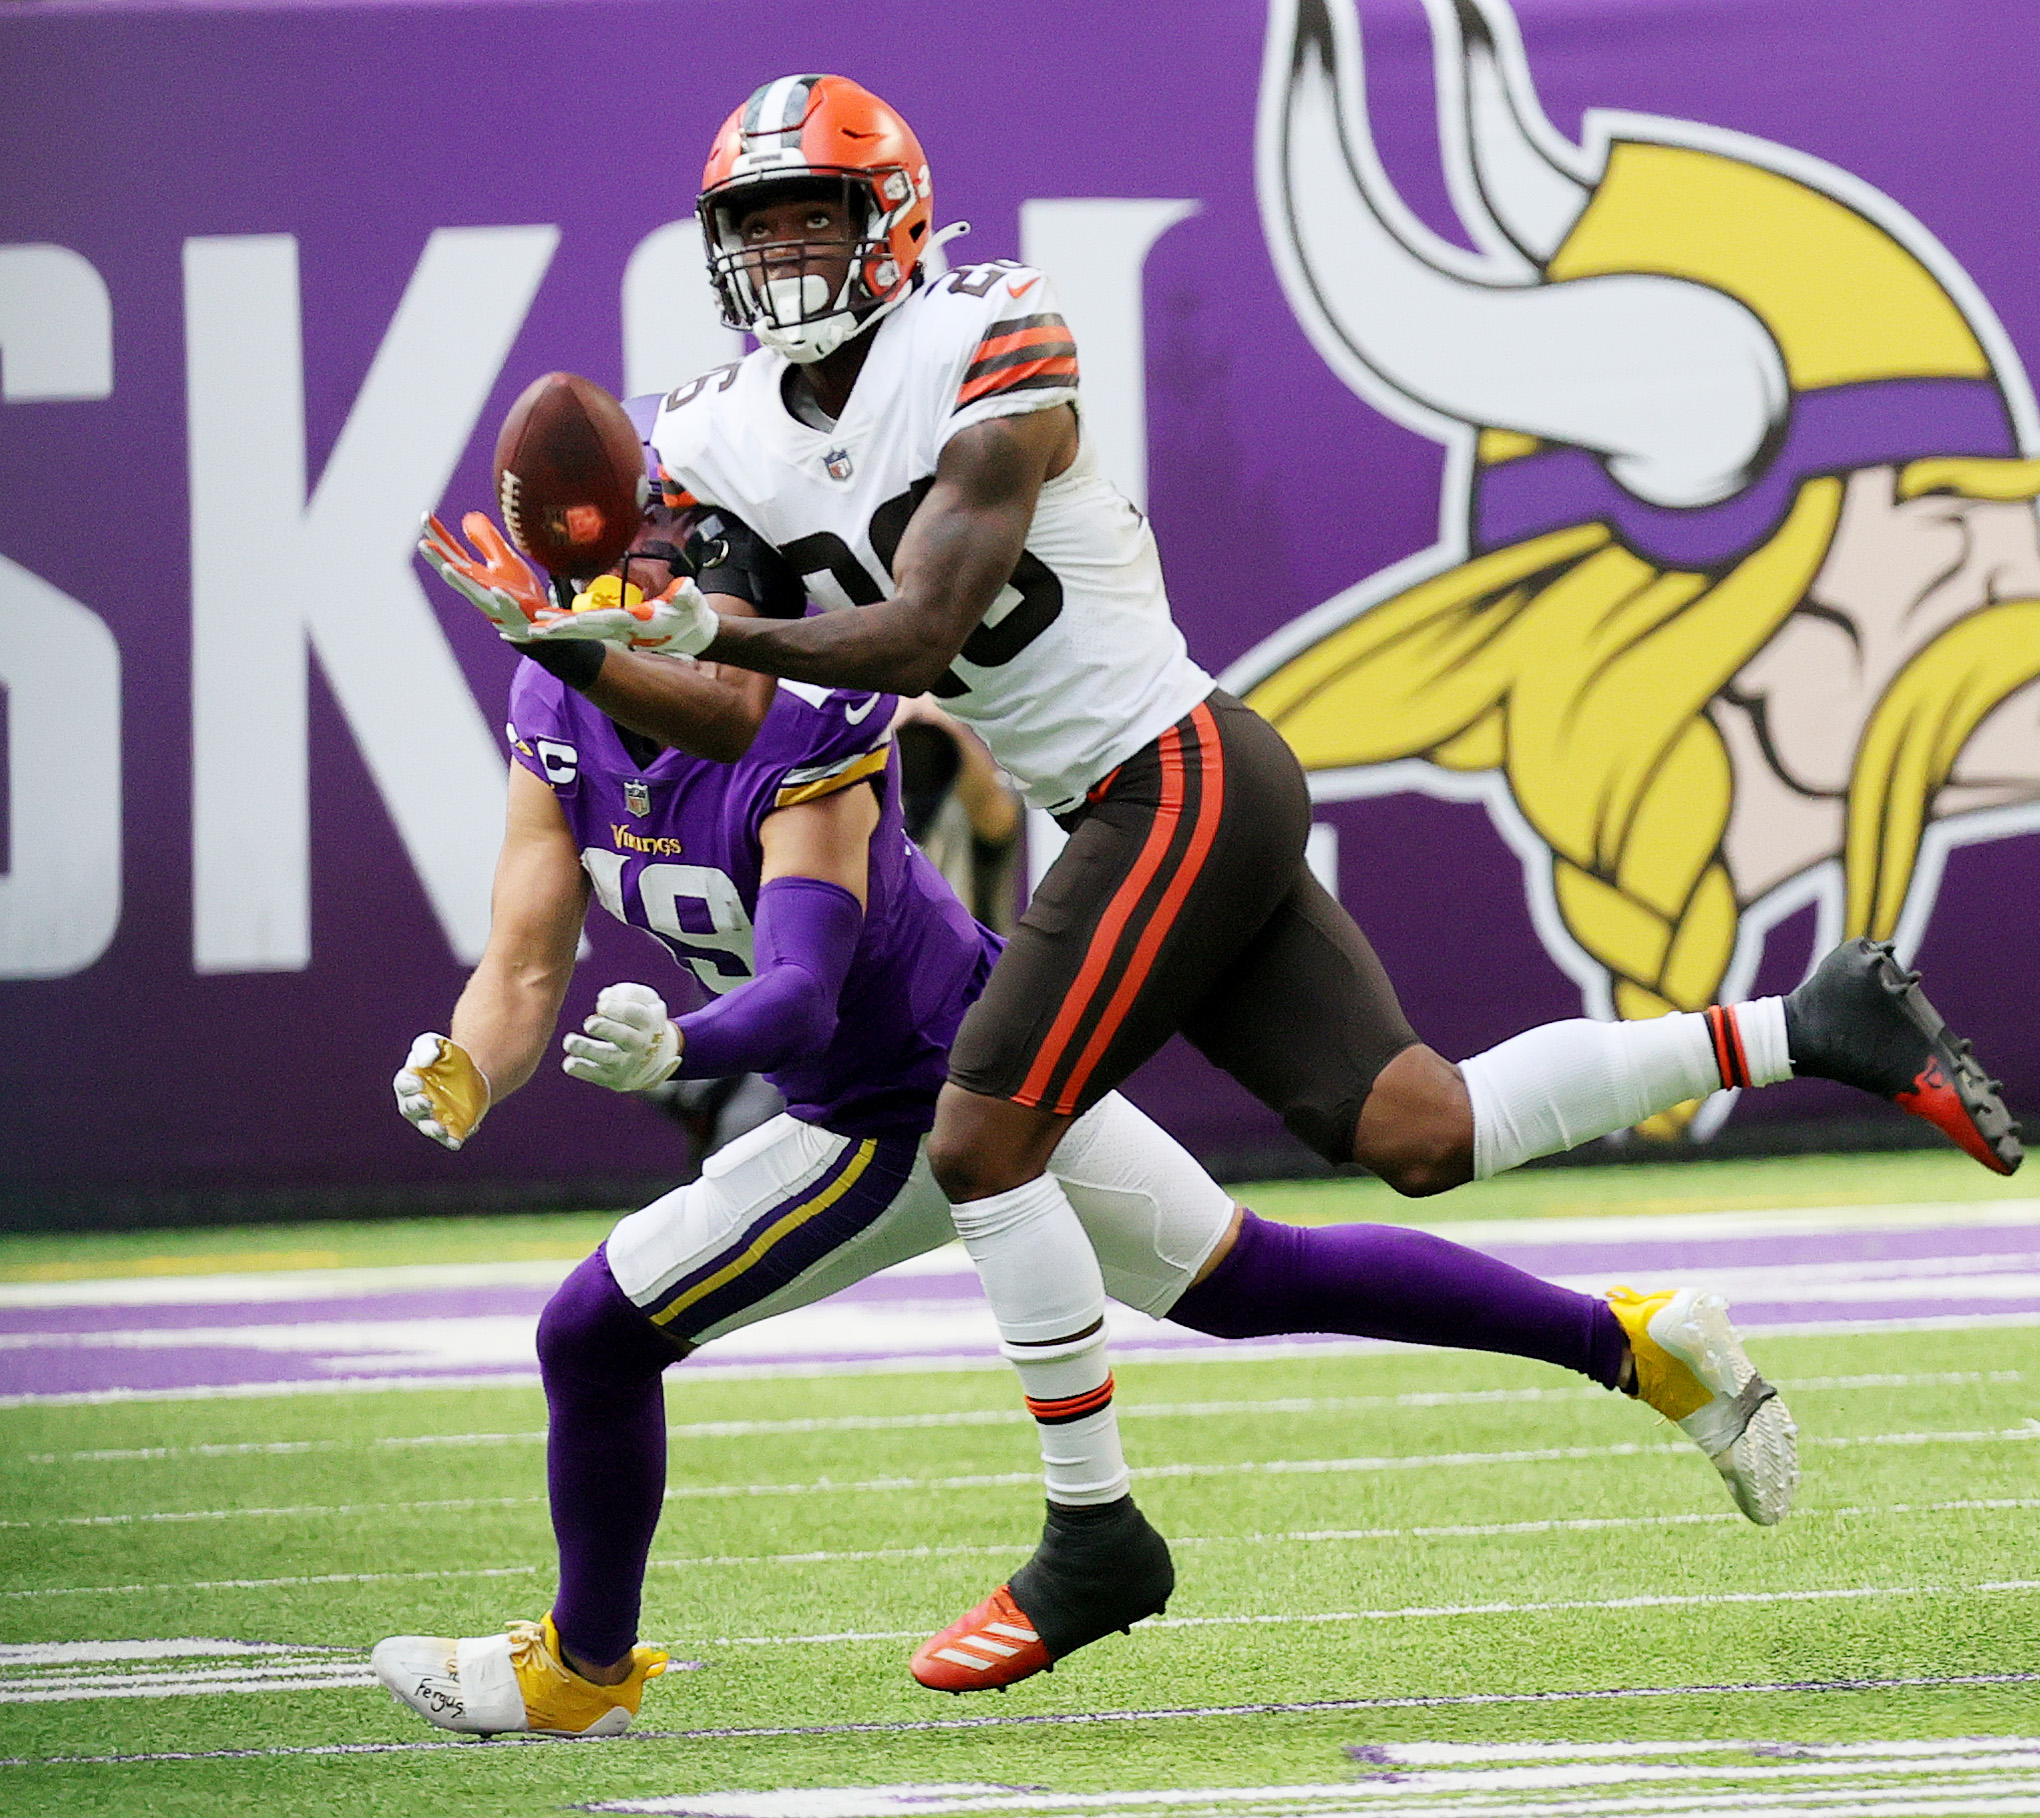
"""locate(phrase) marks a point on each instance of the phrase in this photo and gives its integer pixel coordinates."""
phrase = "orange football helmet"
(805, 136)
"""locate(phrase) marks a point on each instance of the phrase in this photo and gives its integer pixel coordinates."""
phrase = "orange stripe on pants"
(1099, 954)
(1211, 804)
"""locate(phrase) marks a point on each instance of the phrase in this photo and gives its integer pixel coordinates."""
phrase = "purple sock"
(1381, 1281)
(605, 1454)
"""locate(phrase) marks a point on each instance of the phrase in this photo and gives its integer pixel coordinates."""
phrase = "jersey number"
(720, 955)
(721, 377)
(977, 280)
(1035, 602)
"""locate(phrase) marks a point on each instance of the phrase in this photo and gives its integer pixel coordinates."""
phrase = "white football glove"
(630, 1042)
(678, 623)
(497, 582)
(442, 1091)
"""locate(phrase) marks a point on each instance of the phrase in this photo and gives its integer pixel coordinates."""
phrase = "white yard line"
(1997, 1767)
(1996, 1784)
(270, 1584)
(202, 1289)
(941, 1363)
(1486, 1530)
(93, 1653)
(1508, 1233)
(1784, 1221)
(281, 1285)
(1768, 1690)
(1001, 1417)
(994, 1479)
(67, 1671)
(1450, 1611)
(396, 1341)
(353, 1677)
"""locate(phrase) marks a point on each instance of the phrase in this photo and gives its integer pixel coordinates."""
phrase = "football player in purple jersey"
(838, 963)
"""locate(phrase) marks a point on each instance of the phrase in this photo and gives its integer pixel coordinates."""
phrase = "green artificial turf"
(1349, 1530)
(830, 1507)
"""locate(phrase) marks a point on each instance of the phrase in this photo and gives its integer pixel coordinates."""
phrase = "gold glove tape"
(607, 591)
(457, 1088)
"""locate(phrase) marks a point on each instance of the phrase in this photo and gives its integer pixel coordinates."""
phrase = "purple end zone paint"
(1958, 1275)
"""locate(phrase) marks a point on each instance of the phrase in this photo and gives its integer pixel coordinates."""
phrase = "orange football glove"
(496, 582)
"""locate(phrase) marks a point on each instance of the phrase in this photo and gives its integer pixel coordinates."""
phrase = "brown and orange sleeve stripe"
(1027, 353)
(1060, 1413)
(1726, 1034)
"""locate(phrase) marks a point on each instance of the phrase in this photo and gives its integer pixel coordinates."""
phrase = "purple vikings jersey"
(672, 847)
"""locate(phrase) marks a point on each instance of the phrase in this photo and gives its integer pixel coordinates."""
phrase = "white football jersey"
(1078, 664)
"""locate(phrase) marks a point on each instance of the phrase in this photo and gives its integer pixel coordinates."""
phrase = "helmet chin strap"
(813, 341)
(810, 342)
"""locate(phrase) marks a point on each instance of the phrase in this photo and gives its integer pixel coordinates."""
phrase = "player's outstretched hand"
(630, 1042)
(441, 1090)
(496, 581)
(680, 622)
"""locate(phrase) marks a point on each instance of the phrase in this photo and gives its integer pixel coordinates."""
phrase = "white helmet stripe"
(778, 106)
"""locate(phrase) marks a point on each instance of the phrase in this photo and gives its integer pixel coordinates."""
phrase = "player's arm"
(959, 549)
(505, 1016)
(702, 708)
(805, 934)
(709, 709)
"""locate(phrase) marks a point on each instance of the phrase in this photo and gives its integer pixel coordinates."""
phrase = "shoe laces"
(527, 1647)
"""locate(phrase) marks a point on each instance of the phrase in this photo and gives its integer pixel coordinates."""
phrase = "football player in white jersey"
(906, 447)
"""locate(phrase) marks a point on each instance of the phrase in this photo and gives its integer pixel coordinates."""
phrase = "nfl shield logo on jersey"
(637, 796)
(837, 461)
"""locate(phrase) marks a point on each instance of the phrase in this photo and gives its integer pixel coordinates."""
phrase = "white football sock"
(1041, 1276)
(1761, 1022)
(1564, 1084)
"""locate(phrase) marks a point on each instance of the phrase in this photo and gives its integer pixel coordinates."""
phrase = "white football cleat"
(495, 1685)
(1691, 1367)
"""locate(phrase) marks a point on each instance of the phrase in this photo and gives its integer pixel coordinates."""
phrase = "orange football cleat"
(994, 1645)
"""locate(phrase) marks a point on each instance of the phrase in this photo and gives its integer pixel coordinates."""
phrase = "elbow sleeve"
(805, 937)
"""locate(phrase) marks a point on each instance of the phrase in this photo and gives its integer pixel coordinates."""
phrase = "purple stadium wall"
(269, 275)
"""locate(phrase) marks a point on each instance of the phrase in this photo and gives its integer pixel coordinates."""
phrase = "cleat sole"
(1760, 1464)
(1862, 1019)
(1761, 1468)
(1963, 1103)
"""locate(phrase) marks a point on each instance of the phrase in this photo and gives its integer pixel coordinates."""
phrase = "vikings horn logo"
(1736, 605)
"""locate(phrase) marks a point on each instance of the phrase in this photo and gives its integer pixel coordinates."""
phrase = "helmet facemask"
(784, 291)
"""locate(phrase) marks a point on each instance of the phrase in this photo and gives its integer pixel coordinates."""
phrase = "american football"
(569, 475)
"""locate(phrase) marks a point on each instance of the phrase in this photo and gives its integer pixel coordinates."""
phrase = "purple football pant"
(1382, 1281)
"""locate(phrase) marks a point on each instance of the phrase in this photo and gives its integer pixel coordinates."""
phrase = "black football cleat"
(1863, 1019)
(1096, 1570)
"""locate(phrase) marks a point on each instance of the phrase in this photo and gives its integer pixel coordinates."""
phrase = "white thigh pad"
(1152, 1214)
(707, 1222)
